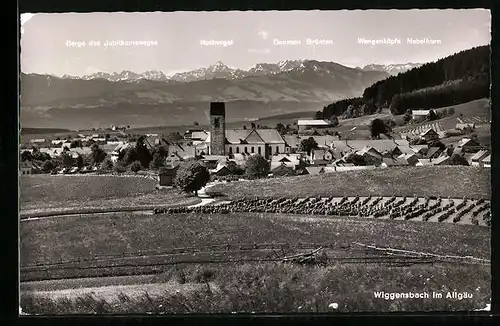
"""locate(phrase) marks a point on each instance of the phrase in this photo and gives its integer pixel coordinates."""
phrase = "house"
(188, 134)
(433, 152)
(321, 155)
(442, 160)
(415, 114)
(469, 145)
(292, 143)
(115, 154)
(38, 141)
(173, 160)
(410, 159)
(212, 161)
(308, 124)
(28, 167)
(477, 159)
(425, 162)
(388, 162)
(167, 175)
(79, 151)
(381, 145)
(184, 151)
(58, 142)
(283, 170)
(487, 161)
(315, 170)
(429, 135)
(289, 160)
(465, 124)
(220, 170)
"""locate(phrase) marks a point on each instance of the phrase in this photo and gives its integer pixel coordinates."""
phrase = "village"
(225, 151)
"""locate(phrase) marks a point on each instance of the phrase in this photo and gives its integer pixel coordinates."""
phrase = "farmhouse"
(283, 170)
(410, 159)
(309, 124)
(424, 162)
(429, 135)
(388, 162)
(478, 158)
(220, 170)
(487, 161)
(469, 145)
(288, 160)
(222, 141)
(28, 167)
(415, 114)
(442, 160)
(173, 160)
(323, 155)
(211, 161)
(292, 143)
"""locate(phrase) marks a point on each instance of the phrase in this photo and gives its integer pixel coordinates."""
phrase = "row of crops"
(404, 208)
(415, 131)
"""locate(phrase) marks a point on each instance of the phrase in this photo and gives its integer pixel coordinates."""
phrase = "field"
(446, 181)
(41, 193)
(139, 241)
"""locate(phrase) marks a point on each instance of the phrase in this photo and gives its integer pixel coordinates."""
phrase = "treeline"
(444, 95)
(470, 67)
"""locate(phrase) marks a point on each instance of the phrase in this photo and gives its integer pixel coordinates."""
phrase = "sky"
(80, 43)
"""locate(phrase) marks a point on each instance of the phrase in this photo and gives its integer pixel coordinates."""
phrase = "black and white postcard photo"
(255, 162)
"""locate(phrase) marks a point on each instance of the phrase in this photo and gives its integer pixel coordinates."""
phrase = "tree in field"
(79, 161)
(307, 145)
(257, 167)
(158, 160)
(48, 166)
(106, 164)
(281, 128)
(457, 159)
(26, 156)
(98, 154)
(334, 120)
(431, 116)
(378, 127)
(234, 168)
(407, 116)
(196, 123)
(135, 166)
(356, 159)
(67, 160)
(252, 125)
(191, 176)
(318, 115)
(143, 154)
(244, 127)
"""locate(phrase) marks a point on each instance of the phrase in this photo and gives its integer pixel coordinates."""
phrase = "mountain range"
(154, 99)
(220, 70)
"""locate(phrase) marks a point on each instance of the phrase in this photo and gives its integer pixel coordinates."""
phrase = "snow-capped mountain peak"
(393, 68)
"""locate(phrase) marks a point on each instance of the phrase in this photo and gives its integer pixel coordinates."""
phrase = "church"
(227, 142)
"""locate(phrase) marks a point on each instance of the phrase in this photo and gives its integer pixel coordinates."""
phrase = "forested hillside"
(462, 77)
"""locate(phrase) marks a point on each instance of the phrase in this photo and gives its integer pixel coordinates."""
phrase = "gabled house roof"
(479, 155)
(292, 140)
(433, 151)
(270, 136)
(468, 142)
(315, 122)
(315, 170)
(429, 131)
(487, 159)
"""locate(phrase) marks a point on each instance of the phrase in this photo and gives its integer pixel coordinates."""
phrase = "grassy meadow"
(444, 181)
(43, 193)
(276, 288)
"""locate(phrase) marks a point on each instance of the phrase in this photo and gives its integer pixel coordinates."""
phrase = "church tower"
(217, 128)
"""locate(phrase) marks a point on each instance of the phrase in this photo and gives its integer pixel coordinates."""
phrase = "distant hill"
(28, 131)
(459, 78)
(48, 101)
(392, 69)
